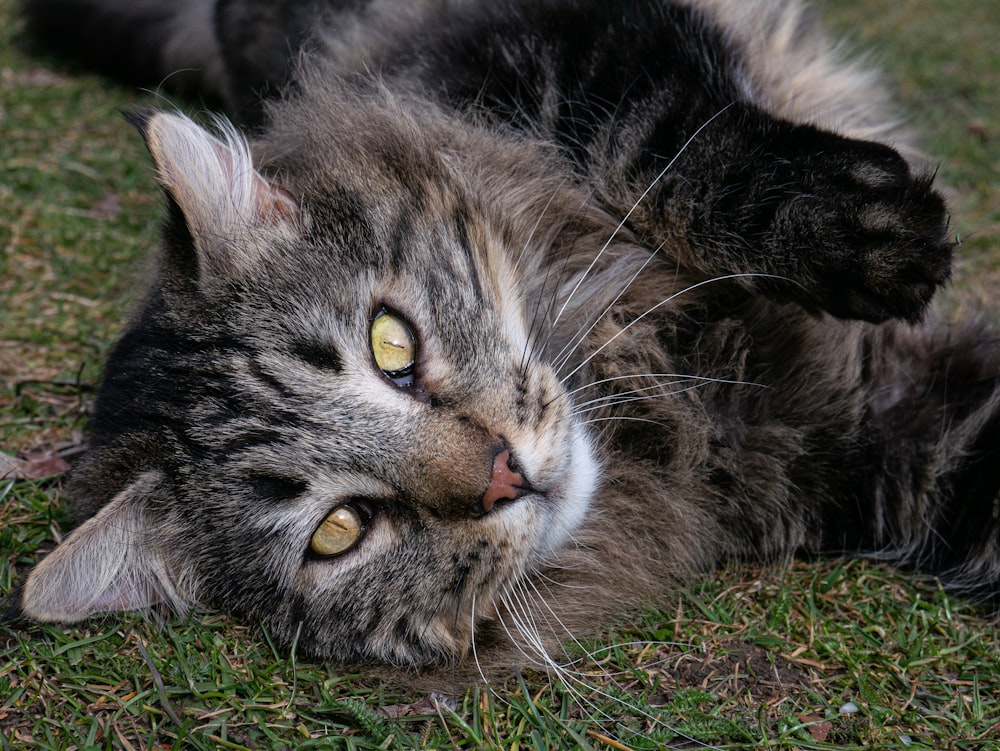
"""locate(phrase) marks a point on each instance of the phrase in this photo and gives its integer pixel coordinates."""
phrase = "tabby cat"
(509, 318)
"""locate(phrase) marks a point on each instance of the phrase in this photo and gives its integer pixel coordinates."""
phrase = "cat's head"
(334, 414)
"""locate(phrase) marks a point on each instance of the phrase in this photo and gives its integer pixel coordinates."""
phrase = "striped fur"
(661, 257)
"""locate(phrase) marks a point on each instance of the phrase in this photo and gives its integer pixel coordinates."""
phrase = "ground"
(820, 655)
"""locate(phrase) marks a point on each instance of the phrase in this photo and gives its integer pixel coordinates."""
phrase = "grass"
(753, 658)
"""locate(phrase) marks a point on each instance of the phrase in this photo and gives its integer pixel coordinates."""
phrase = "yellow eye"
(394, 347)
(339, 532)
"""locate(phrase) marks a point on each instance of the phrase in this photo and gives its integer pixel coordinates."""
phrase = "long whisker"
(510, 611)
(549, 580)
(630, 399)
(636, 204)
(535, 318)
(639, 394)
(680, 377)
(475, 651)
(578, 683)
(625, 419)
(665, 301)
(584, 329)
(562, 267)
(638, 390)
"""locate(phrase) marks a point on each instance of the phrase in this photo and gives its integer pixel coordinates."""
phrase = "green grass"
(753, 658)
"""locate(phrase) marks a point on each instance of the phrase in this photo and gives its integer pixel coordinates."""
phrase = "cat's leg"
(811, 217)
(932, 496)
(689, 157)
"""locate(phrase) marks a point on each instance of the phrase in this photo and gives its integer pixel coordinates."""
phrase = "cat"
(511, 318)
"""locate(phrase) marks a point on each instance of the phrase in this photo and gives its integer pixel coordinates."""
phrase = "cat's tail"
(155, 43)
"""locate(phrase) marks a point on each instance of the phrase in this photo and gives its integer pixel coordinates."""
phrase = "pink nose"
(504, 483)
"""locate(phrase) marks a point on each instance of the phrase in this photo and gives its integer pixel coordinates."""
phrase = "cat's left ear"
(230, 209)
(113, 561)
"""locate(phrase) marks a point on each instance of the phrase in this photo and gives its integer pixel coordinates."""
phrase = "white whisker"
(549, 580)
(636, 204)
(510, 610)
(580, 684)
(560, 359)
(472, 636)
(658, 305)
(624, 418)
(617, 399)
(535, 318)
(640, 390)
(630, 376)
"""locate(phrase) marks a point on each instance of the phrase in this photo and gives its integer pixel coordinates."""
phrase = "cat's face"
(354, 436)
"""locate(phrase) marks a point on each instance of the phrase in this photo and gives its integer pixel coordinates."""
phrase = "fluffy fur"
(663, 253)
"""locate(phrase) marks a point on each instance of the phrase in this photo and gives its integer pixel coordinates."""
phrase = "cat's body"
(624, 239)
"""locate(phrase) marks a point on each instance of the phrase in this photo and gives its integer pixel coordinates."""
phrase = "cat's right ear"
(233, 214)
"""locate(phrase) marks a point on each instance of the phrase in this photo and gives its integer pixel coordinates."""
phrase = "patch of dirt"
(734, 668)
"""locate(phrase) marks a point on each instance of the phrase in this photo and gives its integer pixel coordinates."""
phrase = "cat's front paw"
(863, 237)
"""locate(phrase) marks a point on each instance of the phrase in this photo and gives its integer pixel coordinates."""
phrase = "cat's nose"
(506, 482)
